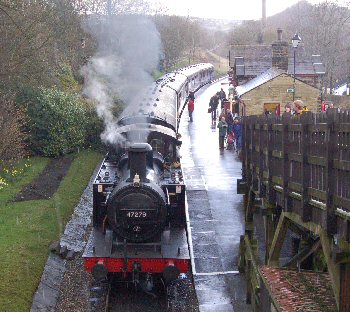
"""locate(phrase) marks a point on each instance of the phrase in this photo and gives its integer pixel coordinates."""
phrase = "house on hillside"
(249, 61)
(272, 90)
(342, 88)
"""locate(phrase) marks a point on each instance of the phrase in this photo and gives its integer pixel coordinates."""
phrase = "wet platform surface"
(215, 210)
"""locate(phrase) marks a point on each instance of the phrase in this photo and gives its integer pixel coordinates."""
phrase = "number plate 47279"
(137, 214)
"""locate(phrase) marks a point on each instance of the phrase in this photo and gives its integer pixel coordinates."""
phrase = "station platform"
(215, 209)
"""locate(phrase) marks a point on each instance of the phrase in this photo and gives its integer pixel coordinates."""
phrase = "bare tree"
(112, 7)
(172, 30)
(35, 38)
(324, 29)
(329, 35)
(12, 135)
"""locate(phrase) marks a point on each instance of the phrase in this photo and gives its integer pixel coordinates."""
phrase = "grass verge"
(26, 229)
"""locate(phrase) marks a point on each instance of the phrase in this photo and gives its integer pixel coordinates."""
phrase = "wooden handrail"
(302, 164)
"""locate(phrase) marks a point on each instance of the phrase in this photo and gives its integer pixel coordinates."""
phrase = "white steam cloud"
(129, 49)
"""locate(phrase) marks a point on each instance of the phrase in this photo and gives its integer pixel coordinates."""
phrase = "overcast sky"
(226, 9)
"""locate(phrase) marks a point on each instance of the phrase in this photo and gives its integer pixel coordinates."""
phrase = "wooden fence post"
(305, 120)
(261, 158)
(332, 117)
(286, 119)
(271, 195)
(244, 148)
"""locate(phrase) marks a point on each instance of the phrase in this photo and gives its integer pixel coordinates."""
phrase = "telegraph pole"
(263, 14)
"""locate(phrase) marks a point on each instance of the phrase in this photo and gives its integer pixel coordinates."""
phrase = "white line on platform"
(205, 232)
(215, 273)
(189, 237)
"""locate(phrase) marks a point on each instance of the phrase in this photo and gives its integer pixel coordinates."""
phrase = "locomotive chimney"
(138, 160)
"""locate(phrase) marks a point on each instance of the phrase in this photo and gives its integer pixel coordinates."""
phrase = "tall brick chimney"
(280, 50)
(263, 13)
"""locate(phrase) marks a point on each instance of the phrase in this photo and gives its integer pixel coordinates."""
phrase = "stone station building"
(272, 90)
(264, 76)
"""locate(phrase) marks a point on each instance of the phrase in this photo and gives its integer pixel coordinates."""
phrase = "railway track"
(114, 296)
(124, 296)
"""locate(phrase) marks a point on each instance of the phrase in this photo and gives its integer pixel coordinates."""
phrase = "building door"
(272, 109)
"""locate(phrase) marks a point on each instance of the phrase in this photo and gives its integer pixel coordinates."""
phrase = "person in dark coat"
(237, 130)
(236, 105)
(190, 106)
(222, 125)
(214, 103)
(229, 120)
(222, 96)
(230, 134)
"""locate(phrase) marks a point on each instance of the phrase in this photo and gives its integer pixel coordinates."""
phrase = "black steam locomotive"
(139, 216)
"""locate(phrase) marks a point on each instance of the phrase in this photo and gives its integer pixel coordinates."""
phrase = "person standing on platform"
(288, 108)
(229, 121)
(190, 106)
(222, 114)
(236, 106)
(222, 125)
(230, 134)
(213, 104)
(191, 95)
(298, 107)
(222, 96)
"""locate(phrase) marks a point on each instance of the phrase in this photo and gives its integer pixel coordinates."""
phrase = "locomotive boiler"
(139, 211)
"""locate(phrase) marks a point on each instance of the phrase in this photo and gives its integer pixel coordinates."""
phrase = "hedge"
(57, 122)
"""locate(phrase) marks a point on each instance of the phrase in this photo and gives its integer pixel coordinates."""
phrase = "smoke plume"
(129, 48)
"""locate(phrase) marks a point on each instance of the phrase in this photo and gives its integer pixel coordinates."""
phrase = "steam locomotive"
(139, 216)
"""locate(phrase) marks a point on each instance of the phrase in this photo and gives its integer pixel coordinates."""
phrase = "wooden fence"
(302, 164)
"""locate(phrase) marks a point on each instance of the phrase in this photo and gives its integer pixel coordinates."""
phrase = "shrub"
(57, 122)
(94, 126)
(67, 79)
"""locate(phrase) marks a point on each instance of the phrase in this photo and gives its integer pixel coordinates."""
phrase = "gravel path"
(75, 288)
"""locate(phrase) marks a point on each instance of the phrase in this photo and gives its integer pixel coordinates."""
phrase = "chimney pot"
(279, 34)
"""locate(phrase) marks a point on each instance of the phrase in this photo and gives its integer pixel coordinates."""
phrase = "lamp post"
(295, 42)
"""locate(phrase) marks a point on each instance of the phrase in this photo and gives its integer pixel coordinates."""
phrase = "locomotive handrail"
(179, 117)
(184, 105)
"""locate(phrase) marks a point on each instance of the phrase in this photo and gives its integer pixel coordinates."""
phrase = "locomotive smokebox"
(140, 156)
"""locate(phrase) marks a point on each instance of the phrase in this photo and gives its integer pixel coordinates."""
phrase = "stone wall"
(275, 91)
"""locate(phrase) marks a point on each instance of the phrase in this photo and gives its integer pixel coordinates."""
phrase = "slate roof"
(259, 80)
(299, 291)
(258, 59)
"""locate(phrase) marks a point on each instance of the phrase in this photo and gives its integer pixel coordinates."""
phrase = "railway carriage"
(139, 217)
